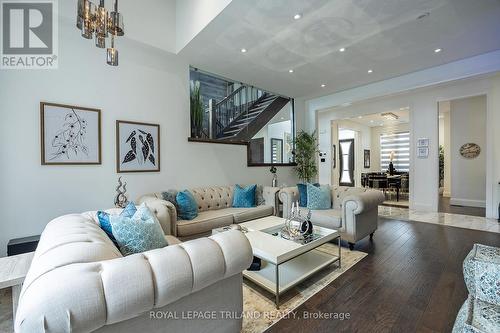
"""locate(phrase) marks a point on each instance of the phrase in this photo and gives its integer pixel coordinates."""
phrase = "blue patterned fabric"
(319, 197)
(481, 311)
(244, 197)
(303, 194)
(188, 208)
(105, 224)
(482, 273)
(476, 316)
(139, 233)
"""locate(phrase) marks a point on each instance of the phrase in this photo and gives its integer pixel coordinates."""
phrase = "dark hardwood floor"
(445, 207)
(411, 281)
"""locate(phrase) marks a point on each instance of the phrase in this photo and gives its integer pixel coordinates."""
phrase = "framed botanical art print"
(137, 147)
(70, 135)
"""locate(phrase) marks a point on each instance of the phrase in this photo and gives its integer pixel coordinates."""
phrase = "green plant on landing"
(306, 148)
(196, 110)
(441, 165)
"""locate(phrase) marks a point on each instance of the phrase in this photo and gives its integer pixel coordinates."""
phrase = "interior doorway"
(346, 159)
(462, 156)
(373, 150)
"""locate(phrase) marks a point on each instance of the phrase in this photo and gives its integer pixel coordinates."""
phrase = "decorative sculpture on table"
(121, 200)
(296, 226)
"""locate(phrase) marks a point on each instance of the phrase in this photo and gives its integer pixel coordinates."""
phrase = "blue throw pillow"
(244, 197)
(188, 208)
(105, 224)
(303, 194)
(319, 197)
(139, 233)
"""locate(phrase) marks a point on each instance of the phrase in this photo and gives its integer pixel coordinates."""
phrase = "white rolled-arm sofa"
(354, 211)
(215, 210)
(79, 282)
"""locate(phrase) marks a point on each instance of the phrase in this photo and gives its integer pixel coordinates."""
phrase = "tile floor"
(452, 220)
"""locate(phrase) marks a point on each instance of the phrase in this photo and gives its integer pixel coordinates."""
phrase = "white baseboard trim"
(467, 202)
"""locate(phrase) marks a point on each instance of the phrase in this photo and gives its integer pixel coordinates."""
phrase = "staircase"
(239, 116)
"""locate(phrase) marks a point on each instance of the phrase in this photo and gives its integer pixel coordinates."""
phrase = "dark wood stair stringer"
(254, 126)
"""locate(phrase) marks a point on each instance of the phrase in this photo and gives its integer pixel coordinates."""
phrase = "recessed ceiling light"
(346, 104)
(290, 71)
(323, 85)
(297, 16)
(282, 118)
(243, 50)
(437, 50)
(342, 49)
(371, 121)
(381, 124)
(359, 117)
(370, 71)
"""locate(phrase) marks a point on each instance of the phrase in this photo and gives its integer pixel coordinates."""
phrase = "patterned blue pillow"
(188, 208)
(319, 197)
(303, 193)
(139, 233)
(244, 197)
(105, 225)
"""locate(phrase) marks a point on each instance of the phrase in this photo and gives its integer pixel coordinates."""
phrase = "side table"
(13, 271)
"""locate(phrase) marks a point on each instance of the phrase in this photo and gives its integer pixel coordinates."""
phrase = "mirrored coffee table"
(286, 263)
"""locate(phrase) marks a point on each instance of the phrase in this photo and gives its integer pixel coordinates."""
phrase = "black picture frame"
(334, 156)
(366, 159)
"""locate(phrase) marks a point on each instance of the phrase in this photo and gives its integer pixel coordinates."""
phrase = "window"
(397, 145)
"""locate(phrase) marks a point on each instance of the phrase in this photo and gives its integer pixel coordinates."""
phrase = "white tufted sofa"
(214, 210)
(79, 282)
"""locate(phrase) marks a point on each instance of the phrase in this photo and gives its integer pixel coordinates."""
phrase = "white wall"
(423, 103)
(468, 176)
(192, 16)
(150, 85)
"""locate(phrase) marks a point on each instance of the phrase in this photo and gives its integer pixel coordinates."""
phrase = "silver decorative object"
(296, 226)
(121, 200)
(98, 23)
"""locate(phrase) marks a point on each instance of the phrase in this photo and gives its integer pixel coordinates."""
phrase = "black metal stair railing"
(221, 114)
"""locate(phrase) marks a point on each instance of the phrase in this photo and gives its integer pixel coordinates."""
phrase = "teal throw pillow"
(188, 208)
(105, 224)
(319, 197)
(244, 197)
(303, 193)
(139, 233)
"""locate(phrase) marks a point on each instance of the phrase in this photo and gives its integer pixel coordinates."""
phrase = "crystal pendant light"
(79, 15)
(101, 26)
(89, 11)
(96, 22)
(112, 53)
(116, 22)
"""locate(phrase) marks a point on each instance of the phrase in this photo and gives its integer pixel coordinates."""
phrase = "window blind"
(399, 143)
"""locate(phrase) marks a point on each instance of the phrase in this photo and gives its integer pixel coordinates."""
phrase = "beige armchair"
(354, 211)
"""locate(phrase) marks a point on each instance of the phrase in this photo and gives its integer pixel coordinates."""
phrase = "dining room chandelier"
(95, 22)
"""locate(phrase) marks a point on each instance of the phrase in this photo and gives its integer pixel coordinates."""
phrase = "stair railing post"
(211, 119)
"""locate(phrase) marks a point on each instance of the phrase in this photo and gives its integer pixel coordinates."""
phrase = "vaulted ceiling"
(389, 37)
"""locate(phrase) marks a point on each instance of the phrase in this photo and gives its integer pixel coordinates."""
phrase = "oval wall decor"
(470, 150)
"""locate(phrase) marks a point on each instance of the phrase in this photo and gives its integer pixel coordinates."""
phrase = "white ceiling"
(383, 35)
(376, 119)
